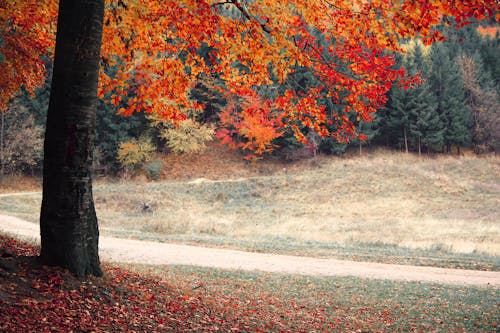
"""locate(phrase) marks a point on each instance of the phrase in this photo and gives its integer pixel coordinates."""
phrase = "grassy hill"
(383, 206)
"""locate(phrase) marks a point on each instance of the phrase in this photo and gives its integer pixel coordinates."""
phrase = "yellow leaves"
(188, 136)
(133, 153)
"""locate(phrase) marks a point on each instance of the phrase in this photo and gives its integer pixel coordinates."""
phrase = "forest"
(453, 104)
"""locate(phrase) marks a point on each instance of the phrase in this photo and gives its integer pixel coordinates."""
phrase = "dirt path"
(146, 252)
(4, 195)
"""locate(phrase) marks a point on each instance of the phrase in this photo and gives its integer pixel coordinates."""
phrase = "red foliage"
(250, 125)
(155, 50)
(36, 298)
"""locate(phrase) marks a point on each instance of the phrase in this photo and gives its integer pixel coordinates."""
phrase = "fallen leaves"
(37, 298)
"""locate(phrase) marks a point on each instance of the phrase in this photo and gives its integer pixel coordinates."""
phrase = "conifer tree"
(448, 89)
(426, 128)
(398, 120)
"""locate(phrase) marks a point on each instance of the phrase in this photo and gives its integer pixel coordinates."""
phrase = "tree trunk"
(419, 147)
(406, 141)
(68, 222)
(2, 162)
(360, 143)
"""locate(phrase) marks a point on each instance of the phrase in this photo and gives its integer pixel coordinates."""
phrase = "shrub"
(189, 136)
(21, 141)
(153, 169)
(133, 154)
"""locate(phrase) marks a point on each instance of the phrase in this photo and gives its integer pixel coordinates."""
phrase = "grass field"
(384, 206)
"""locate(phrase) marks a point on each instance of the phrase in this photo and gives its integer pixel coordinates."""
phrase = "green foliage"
(133, 154)
(413, 116)
(111, 130)
(447, 86)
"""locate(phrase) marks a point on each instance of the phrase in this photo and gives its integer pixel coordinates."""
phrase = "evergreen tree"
(398, 119)
(490, 51)
(448, 89)
(425, 125)
(413, 113)
(369, 130)
(111, 130)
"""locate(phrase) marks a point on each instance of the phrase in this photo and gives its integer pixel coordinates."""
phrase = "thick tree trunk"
(68, 221)
(2, 162)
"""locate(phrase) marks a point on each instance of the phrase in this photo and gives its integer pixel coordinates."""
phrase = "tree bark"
(419, 147)
(68, 222)
(2, 162)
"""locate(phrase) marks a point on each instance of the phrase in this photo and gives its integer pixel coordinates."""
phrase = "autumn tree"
(68, 222)
(154, 48)
(483, 99)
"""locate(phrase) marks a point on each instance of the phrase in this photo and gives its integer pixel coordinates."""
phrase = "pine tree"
(370, 130)
(413, 113)
(398, 120)
(448, 89)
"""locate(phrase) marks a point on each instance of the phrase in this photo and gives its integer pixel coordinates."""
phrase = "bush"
(189, 136)
(21, 141)
(133, 154)
(153, 169)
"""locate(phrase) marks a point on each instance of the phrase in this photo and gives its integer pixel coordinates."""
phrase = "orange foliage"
(27, 34)
(158, 49)
(489, 31)
(252, 126)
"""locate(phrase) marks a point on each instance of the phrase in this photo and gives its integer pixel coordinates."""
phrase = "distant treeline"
(456, 105)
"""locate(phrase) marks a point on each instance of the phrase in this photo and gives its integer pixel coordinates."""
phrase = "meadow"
(384, 206)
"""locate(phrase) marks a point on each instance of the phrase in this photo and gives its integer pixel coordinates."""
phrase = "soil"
(154, 253)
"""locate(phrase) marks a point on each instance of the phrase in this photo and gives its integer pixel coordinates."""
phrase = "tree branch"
(244, 10)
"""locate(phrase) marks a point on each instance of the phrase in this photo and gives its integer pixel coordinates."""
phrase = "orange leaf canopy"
(155, 51)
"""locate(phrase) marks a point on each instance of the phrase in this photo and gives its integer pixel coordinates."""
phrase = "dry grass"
(384, 199)
(428, 203)
(10, 184)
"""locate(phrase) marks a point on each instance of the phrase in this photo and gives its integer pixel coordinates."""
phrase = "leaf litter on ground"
(34, 297)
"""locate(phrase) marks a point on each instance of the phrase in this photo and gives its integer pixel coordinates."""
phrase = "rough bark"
(2, 162)
(68, 222)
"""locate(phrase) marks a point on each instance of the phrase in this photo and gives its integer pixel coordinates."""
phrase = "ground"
(37, 298)
(385, 207)
(431, 211)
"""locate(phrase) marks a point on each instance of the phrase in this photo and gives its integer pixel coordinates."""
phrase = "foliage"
(21, 141)
(484, 102)
(153, 169)
(111, 130)
(134, 153)
(189, 136)
(447, 86)
(27, 35)
(251, 124)
(156, 63)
